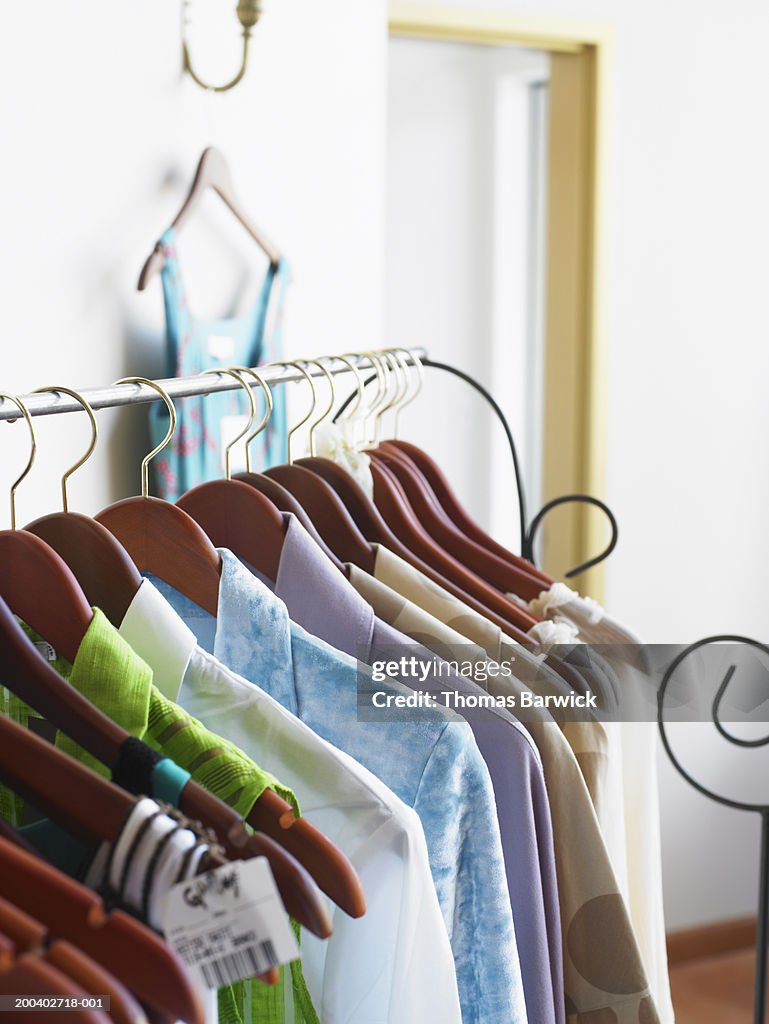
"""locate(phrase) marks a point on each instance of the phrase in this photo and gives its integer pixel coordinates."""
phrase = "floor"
(716, 990)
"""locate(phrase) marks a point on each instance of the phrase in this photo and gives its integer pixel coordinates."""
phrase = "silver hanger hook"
(32, 451)
(171, 426)
(58, 389)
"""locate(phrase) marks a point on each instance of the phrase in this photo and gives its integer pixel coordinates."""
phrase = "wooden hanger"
(30, 936)
(451, 505)
(35, 581)
(212, 172)
(32, 976)
(162, 539)
(27, 675)
(391, 500)
(101, 565)
(145, 964)
(236, 516)
(280, 496)
(490, 567)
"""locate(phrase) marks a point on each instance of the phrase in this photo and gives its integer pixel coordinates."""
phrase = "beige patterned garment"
(604, 978)
(641, 795)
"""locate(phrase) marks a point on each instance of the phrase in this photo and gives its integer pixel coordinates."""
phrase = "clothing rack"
(118, 395)
(762, 810)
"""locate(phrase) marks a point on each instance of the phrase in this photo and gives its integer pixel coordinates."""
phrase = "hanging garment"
(115, 679)
(639, 761)
(603, 969)
(320, 600)
(433, 766)
(196, 451)
(364, 974)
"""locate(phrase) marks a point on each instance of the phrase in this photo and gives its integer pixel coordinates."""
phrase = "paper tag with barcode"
(229, 924)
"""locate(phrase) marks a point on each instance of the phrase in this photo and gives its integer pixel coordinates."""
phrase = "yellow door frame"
(574, 458)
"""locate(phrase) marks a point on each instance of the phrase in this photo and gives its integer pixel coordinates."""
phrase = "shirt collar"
(319, 598)
(155, 631)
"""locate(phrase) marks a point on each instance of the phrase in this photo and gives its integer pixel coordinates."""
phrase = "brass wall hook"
(58, 389)
(32, 451)
(248, 12)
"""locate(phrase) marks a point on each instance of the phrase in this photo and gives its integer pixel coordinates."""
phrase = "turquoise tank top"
(196, 453)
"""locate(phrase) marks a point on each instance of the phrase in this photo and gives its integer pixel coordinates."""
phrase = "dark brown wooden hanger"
(284, 500)
(212, 172)
(393, 503)
(27, 675)
(327, 512)
(453, 508)
(41, 590)
(101, 565)
(131, 951)
(33, 976)
(30, 936)
(490, 567)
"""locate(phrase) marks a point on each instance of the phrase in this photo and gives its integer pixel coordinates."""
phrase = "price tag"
(229, 924)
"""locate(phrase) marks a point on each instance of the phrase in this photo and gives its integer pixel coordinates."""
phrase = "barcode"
(244, 963)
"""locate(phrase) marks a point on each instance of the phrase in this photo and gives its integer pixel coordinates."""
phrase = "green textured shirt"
(113, 677)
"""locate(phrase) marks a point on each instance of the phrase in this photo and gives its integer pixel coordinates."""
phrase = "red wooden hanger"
(32, 976)
(451, 505)
(35, 682)
(236, 516)
(131, 951)
(391, 500)
(490, 567)
(101, 565)
(30, 936)
(161, 538)
(280, 496)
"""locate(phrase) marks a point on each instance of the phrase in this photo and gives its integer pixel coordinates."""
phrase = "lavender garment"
(321, 600)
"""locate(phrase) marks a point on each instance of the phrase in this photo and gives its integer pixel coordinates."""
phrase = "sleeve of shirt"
(455, 802)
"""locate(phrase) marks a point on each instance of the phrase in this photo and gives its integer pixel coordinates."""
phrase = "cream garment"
(641, 792)
(392, 966)
(604, 978)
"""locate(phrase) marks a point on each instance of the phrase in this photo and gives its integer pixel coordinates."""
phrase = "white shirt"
(392, 966)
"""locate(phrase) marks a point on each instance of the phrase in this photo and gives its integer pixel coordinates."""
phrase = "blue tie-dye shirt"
(433, 766)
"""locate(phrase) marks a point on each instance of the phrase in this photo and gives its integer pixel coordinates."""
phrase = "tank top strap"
(178, 319)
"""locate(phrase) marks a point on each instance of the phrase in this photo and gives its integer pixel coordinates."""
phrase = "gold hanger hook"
(381, 390)
(269, 405)
(417, 364)
(233, 372)
(396, 365)
(383, 403)
(58, 389)
(171, 426)
(347, 359)
(329, 408)
(298, 366)
(32, 450)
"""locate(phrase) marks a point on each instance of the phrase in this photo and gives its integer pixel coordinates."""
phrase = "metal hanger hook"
(329, 408)
(298, 366)
(351, 415)
(383, 388)
(400, 369)
(171, 426)
(232, 372)
(58, 389)
(416, 362)
(269, 406)
(32, 450)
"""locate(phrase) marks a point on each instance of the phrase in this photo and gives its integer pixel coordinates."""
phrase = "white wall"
(94, 115)
(100, 137)
(688, 215)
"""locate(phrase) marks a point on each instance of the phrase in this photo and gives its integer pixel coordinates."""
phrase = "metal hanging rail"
(117, 395)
